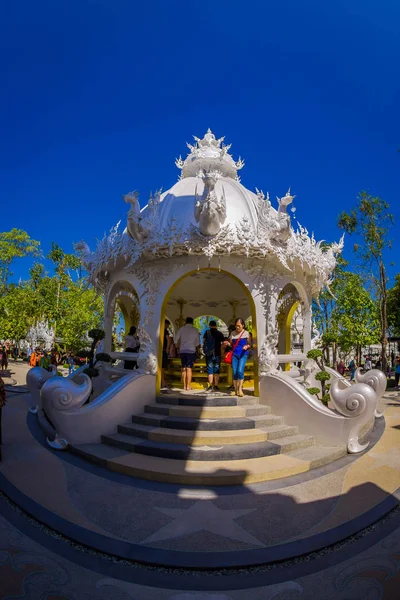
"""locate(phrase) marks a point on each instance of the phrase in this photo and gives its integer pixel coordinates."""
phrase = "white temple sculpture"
(211, 240)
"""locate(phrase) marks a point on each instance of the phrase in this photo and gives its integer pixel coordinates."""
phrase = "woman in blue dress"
(240, 341)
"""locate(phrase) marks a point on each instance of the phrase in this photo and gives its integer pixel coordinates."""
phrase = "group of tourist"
(41, 358)
(233, 350)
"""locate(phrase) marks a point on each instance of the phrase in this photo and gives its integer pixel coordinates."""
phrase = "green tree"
(370, 220)
(356, 316)
(346, 314)
(393, 306)
(82, 311)
(63, 265)
(15, 243)
(16, 315)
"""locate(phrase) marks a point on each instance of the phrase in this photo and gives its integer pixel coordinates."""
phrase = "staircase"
(208, 439)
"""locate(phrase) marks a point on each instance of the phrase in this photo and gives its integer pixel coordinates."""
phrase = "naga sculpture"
(136, 227)
(210, 210)
(147, 360)
(140, 226)
(86, 255)
(35, 379)
(64, 394)
(358, 400)
(268, 357)
(375, 379)
(271, 224)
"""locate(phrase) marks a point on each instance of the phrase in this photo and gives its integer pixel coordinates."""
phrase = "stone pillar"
(307, 328)
(108, 321)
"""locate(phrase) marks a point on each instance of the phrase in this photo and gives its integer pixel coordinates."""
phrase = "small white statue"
(136, 226)
(210, 211)
(268, 357)
(285, 201)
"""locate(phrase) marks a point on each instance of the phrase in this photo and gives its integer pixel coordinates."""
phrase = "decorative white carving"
(209, 155)
(149, 237)
(268, 356)
(66, 394)
(41, 335)
(316, 339)
(35, 379)
(138, 226)
(377, 380)
(354, 401)
(147, 360)
(210, 210)
(285, 201)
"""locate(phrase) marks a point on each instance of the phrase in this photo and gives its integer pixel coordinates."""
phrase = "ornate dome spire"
(209, 155)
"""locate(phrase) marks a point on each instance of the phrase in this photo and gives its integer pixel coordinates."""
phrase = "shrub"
(314, 391)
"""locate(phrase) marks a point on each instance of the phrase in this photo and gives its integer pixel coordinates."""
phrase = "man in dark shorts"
(188, 340)
(212, 341)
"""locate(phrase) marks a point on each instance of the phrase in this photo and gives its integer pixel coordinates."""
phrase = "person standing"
(240, 342)
(397, 373)
(352, 367)
(212, 343)
(188, 340)
(71, 363)
(34, 359)
(168, 344)
(341, 368)
(4, 359)
(2, 403)
(45, 361)
(132, 344)
(368, 363)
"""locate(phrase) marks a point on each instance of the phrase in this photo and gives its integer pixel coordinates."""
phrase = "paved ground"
(34, 563)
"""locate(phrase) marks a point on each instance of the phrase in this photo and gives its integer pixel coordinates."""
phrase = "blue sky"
(99, 97)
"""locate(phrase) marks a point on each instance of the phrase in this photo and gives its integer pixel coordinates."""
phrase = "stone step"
(319, 455)
(98, 454)
(207, 424)
(208, 412)
(204, 453)
(207, 437)
(212, 399)
(234, 472)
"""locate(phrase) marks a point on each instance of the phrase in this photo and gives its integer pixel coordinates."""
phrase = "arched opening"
(287, 311)
(204, 293)
(123, 313)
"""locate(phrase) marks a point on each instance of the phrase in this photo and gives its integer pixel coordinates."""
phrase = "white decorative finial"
(209, 154)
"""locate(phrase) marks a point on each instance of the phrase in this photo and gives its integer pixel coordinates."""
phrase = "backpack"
(209, 344)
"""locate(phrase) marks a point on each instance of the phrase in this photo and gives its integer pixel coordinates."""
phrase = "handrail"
(124, 355)
(287, 358)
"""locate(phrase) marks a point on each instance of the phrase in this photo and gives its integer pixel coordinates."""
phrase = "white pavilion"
(210, 246)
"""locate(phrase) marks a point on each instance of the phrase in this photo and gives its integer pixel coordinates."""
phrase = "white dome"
(179, 202)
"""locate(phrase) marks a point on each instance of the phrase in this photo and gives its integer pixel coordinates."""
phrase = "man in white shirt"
(188, 340)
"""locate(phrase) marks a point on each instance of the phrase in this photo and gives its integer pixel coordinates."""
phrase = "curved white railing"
(78, 423)
(375, 378)
(36, 378)
(354, 414)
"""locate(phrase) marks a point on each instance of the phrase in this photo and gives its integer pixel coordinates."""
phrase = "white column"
(307, 328)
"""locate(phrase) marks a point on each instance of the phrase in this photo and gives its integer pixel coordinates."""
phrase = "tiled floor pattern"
(183, 522)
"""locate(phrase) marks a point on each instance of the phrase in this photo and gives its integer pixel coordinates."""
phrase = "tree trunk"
(334, 355)
(383, 307)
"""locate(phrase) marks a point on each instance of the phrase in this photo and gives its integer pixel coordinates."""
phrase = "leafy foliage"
(322, 375)
(347, 315)
(15, 243)
(393, 307)
(64, 299)
(370, 222)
